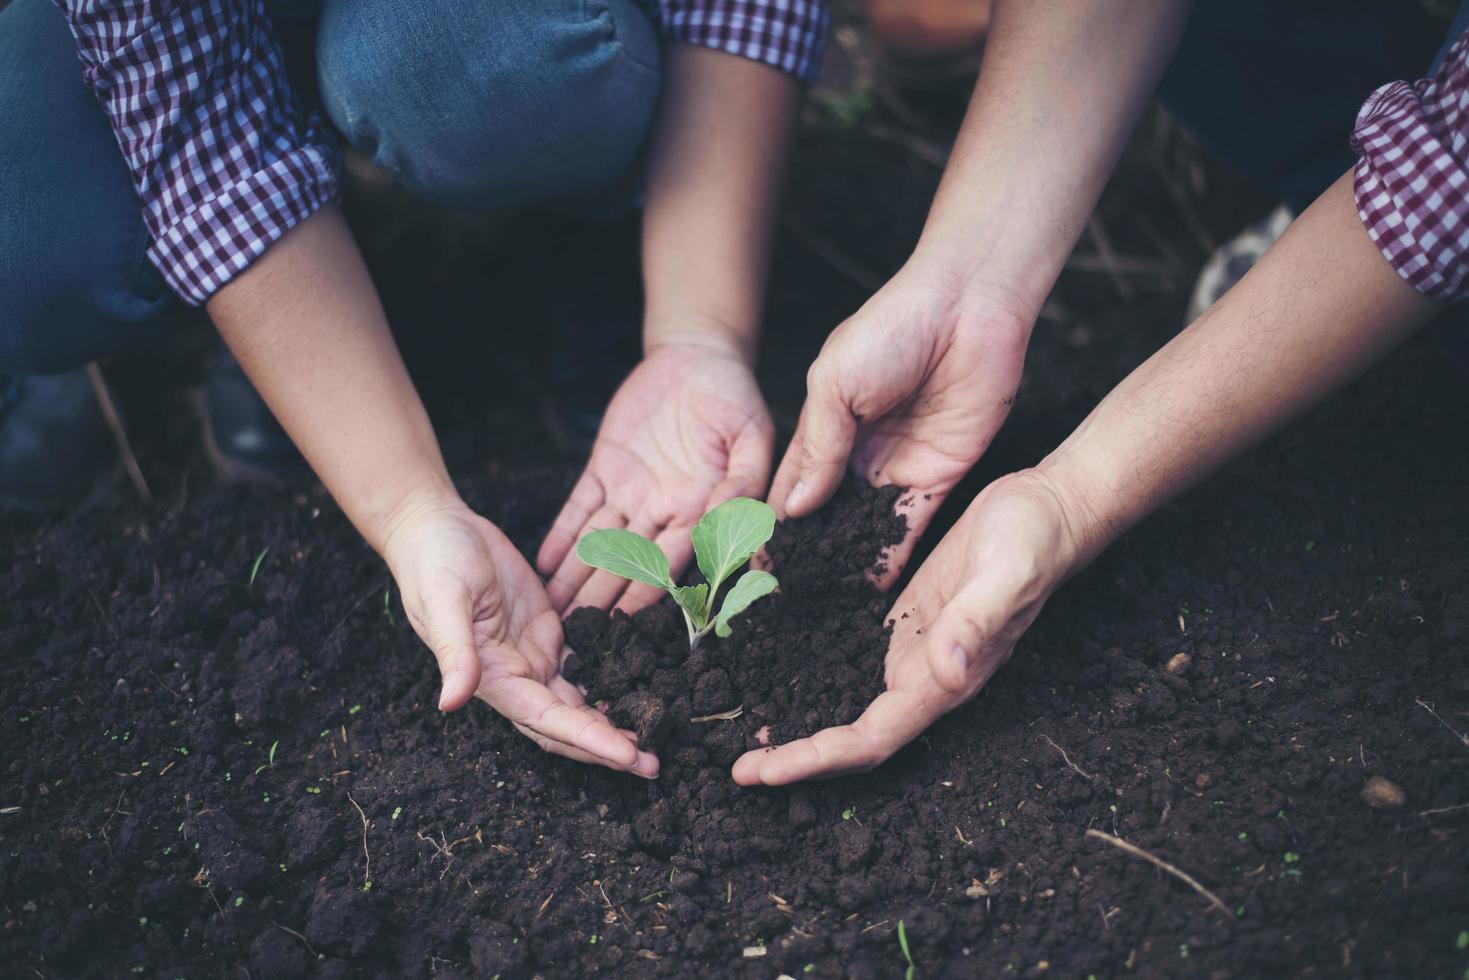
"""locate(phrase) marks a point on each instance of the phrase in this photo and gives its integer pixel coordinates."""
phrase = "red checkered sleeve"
(1412, 181)
(221, 154)
(784, 34)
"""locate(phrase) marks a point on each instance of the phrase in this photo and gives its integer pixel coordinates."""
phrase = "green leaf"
(693, 599)
(751, 586)
(729, 535)
(627, 554)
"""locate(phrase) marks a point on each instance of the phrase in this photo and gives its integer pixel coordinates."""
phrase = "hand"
(966, 607)
(686, 431)
(483, 612)
(909, 391)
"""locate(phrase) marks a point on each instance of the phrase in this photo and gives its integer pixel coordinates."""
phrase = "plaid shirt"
(223, 156)
(1412, 182)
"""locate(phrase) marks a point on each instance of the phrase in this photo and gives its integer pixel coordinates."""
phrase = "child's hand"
(485, 615)
(686, 431)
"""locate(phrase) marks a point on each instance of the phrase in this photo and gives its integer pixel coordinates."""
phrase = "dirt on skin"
(209, 778)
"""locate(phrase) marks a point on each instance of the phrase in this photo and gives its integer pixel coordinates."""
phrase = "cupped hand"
(955, 624)
(687, 430)
(909, 391)
(484, 613)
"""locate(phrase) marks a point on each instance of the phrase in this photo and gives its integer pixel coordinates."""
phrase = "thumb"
(828, 429)
(449, 632)
(972, 619)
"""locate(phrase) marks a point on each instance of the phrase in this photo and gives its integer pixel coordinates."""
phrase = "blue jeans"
(471, 105)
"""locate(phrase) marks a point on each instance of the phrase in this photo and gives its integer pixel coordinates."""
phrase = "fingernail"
(795, 497)
(960, 658)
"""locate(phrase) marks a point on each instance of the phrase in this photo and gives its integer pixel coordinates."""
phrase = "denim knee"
(75, 283)
(492, 105)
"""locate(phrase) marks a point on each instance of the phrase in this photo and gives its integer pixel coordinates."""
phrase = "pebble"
(1383, 794)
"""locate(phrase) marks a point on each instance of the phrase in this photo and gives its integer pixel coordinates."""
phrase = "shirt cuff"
(1411, 184)
(204, 248)
(785, 34)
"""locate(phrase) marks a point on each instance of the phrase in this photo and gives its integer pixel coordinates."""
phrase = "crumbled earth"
(190, 753)
(208, 776)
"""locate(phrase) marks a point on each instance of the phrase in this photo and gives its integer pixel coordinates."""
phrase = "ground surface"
(203, 777)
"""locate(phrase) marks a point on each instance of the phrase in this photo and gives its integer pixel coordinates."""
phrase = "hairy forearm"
(714, 174)
(1061, 86)
(306, 325)
(1318, 309)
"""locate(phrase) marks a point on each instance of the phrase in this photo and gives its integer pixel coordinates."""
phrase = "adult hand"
(956, 624)
(485, 615)
(686, 431)
(909, 391)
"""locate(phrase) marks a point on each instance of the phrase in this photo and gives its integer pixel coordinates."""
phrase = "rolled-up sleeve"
(1412, 181)
(784, 34)
(223, 158)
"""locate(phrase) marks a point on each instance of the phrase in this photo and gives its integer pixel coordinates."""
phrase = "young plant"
(724, 540)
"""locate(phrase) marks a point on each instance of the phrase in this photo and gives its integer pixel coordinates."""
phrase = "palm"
(917, 387)
(982, 587)
(686, 431)
(480, 607)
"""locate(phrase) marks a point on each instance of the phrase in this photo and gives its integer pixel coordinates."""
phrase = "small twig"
(1074, 767)
(729, 715)
(1161, 864)
(289, 931)
(367, 871)
(1443, 809)
(1107, 255)
(544, 905)
(834, 256)
(119, 434)
(1457, 734)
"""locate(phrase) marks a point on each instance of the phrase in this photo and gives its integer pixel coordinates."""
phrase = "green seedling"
(255, 569)
(907, 954)
(724, 540)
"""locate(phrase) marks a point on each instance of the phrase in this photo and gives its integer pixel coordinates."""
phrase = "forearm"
(306, 324)
(714, 176)
(1061, 86)
(1319, 308)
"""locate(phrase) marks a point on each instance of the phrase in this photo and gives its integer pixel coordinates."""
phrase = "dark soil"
(203, 778)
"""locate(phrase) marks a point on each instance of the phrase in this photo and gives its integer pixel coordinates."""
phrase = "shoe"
(1234, 258)
(241, 436)
(54, 442)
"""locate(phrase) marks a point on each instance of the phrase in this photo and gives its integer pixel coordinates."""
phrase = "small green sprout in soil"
(255, 569)
(388, 607)
(724, 540)
(1463, 940)
(907, 954)
(849, 813)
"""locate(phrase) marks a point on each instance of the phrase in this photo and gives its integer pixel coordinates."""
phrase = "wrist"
(1082, 504)
(699, 333)
(389, 522)
(986, 262)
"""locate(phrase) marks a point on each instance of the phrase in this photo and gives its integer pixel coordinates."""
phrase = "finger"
(748, 467)
(532, 705)
(788, 472)
(447, 627)
(893, 720)
(602, 589)
(968, 623)
(676, 543)
(586, 497)
(919, 513)
(647, 765)
(830, 428)
(573, 573)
